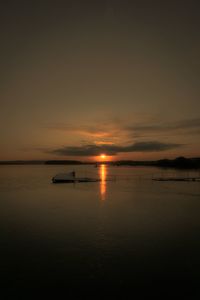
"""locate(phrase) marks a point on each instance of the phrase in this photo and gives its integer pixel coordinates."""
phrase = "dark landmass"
(22, 162)
(63, 162)
(177, 163)
(42, 162)
(180, 163)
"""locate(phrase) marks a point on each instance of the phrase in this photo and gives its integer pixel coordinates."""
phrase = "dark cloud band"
(188, 124)
(93, 150)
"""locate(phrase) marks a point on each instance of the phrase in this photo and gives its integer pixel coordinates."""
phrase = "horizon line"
(41, 161)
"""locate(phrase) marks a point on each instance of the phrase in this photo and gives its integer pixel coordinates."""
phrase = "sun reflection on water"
(103, 173)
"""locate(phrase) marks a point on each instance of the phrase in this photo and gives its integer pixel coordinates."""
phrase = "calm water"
(127, 234)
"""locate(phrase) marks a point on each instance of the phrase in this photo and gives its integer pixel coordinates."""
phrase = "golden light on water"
(103, 173)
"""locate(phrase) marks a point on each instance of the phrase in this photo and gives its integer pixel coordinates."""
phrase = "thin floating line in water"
(188, 179)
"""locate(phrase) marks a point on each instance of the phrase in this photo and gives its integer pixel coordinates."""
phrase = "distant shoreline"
(177, 163)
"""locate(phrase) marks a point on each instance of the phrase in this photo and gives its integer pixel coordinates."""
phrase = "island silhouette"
(177, 163)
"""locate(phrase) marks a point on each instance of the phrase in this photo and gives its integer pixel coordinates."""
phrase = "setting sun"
(103, 156)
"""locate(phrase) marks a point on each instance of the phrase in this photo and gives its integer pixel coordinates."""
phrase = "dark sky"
(83, 77)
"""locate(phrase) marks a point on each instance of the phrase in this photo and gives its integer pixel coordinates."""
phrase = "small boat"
(64, 177)
(70, 177)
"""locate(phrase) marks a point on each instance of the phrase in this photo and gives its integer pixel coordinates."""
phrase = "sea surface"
(124, 234)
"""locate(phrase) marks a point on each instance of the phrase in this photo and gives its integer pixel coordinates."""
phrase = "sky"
(80, 78)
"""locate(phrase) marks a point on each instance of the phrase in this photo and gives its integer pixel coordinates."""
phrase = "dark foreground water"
(130, 235)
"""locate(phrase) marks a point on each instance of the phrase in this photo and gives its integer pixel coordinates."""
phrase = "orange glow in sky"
(102, 158)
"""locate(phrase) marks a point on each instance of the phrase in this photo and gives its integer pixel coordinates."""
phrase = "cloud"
(95, 130)
(106, 136)
(115, 128)
(187, 124)
(94, 150)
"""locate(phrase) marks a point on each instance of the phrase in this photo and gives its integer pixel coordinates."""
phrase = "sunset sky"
(81, 78)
